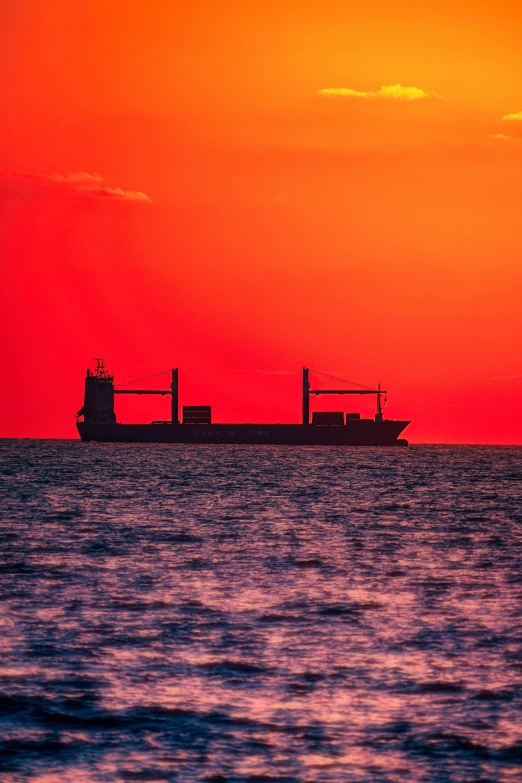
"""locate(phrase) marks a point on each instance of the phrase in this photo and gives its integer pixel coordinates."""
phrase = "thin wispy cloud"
(76, 178)
(396, 92)
(499, 137)
(514, 116)
(118, 193)
(506, 377)
(80, 182)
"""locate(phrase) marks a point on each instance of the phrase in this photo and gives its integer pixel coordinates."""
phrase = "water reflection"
(237, 614)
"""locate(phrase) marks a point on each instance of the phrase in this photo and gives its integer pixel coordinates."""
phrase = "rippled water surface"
(207, 613)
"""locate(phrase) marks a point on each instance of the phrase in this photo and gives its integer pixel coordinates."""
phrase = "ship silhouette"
(96, 420)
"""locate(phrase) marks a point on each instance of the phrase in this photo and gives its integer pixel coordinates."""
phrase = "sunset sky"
(239, 189)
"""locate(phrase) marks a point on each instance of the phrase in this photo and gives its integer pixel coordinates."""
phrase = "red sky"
(177, 190)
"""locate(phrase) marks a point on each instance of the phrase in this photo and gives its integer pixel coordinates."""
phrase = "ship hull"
(362, 432)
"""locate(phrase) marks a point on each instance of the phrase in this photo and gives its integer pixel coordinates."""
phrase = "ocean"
(256, 614)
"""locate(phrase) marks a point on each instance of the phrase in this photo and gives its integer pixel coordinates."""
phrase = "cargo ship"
(96, 420)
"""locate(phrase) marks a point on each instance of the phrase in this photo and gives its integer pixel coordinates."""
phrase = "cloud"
(399, 92)
(499, 136)
(515, 116)
(118, 194)
(346, 92)
(82, 183)
(77, 177)
(390, 91)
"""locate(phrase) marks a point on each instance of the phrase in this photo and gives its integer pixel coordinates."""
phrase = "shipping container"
(197, 414)
(328, 418)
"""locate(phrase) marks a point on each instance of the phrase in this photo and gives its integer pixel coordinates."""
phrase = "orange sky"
(176, 190)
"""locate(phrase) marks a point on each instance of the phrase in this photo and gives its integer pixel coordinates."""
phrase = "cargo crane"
(307, 391)
(173, 391)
